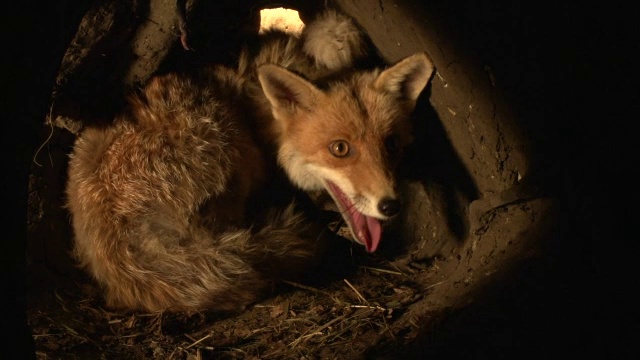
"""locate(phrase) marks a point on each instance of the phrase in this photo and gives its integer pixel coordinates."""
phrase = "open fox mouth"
(365, 229)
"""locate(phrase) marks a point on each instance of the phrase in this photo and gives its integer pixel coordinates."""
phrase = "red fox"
(159, 198)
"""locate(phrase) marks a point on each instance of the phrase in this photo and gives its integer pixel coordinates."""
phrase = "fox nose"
(389, 207)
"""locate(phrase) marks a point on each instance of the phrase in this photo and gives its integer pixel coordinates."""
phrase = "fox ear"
(408, 77)
(286, 90)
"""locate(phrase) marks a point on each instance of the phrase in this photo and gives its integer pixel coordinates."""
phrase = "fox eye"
(339, 148)
(392, 144)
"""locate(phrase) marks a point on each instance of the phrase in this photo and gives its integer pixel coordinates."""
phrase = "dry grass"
(340, 319)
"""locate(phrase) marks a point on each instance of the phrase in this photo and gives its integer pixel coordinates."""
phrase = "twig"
(199, 341)
(436, 284)
(382, 270)
(312, 289)
(376, 307)
(50, 123)
(304, 287)
(316, 331)
(356, 291)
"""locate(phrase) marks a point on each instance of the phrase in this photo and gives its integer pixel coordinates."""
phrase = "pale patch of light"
(283, 19)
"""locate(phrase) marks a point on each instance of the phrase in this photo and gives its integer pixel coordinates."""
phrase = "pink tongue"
(366, 228)
(369, 230)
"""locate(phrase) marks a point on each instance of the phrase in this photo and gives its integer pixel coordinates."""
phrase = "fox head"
(348, 138)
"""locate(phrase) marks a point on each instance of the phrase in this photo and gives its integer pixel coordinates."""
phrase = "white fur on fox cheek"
(309, 177)
(298, 171)
(367, 207)
(335, 177)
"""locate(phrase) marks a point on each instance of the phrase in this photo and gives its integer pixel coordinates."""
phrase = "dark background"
(571, 71)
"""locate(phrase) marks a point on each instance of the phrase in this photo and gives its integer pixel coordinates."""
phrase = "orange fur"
(159, 200)
(366, 111)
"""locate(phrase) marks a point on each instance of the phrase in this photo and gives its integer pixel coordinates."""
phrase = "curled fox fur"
(159, 199)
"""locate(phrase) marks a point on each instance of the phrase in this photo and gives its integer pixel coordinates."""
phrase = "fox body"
(159, 198)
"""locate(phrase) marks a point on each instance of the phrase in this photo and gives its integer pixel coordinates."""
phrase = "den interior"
(514, 240)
